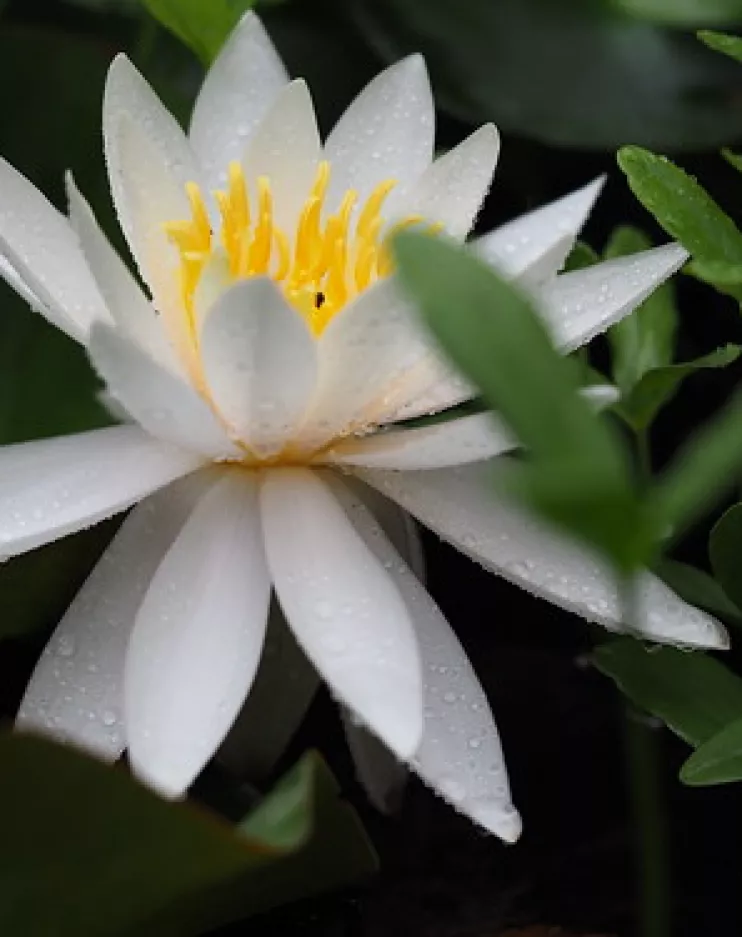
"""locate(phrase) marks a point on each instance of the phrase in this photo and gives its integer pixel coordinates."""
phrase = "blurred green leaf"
(582, 256)
(725, 553)
(566, 73)
(683, 208)
(203, 26)
(698, 588)
(718, 760)
(687, 13)
(645, 340)
(86, 850)
(734, 159)
(656, 387)
(692, 693)
(721, 42)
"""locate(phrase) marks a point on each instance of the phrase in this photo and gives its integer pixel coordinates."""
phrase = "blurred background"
(568, 82)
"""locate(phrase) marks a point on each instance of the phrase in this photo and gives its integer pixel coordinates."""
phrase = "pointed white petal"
(286, 147)
(578, 306)
(260, 362)
(452, 189)
(371, 357)
(452, 442)
(383, 777)
(239, 88)
(197, 638)
(460, 506)
(129, 308)
(460, 755)
(342, 606)
(54, 487)
(42, 250)
(518, 245)
(443, 389)
(166, 406)
(386, 133)
(76, 692)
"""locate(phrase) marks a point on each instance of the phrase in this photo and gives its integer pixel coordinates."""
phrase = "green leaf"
(718, 760)
(698, 588)
(734, 159)
(693, 694)
(683, 208)
(722, 42)
(725, 553)
(646, 339)
(201, 26)
(709, 465)
(655, 389)
(581, 257)
(85, 850)
(685, 13)
(533, 67)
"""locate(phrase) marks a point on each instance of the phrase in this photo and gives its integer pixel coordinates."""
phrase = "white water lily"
(259, 383)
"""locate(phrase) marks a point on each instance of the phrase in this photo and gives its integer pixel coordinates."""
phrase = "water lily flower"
(263, 373)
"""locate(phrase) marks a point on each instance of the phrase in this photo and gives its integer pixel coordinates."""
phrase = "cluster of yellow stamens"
(320, 266)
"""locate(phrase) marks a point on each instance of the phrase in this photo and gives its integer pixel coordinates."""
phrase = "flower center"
(320, 266)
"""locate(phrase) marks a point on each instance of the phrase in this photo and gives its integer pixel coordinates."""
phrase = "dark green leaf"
(642, 404)
(721, 42)
(724, 276)
(734, 159)
(718, 760)
(202, 26)
(683, 208)
(725, 553)
(646, 339)
(687, 13)
(697, 588)
(692, 693)
(85, 850)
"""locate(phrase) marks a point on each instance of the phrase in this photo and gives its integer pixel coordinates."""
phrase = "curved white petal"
(578, 306)
(386, 133)
(286, 148)
(197, 638)
(452, 442)
(260, 362)
(54, 487)
(522, 243)
(342, 606)
(370, 357)
(76, 692)
(237, 92)
(461, 506)
(452, 189)
(443, 389)
(162, 403)
(460, 755)
(129, 308)
(41, 251)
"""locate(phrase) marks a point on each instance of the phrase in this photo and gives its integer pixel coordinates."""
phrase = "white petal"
(166, 406)
(238, 90)
(286, 148)
(54, 487)
(129, 308)
(443, 389)
(383, 777)
(460, 506)
(76, 691)
(197, 639)
(580, 305)
(452, 189)
(371, 356)
(386, 133)
(42, 250)
(452, 442)
(460, 755)
(260, 362)
(518, 245)
(342, 606)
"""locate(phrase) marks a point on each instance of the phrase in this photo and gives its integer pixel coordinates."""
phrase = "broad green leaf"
(683, 208)
(725, 553)
(709, 465)
(200, 25)
(698, 588)
(721, 42)
(538, 67)
(724, 276)
(686, 13)
(718, 760)
(692, 693)
(656, 387)
(646, 339)
(86, 850)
